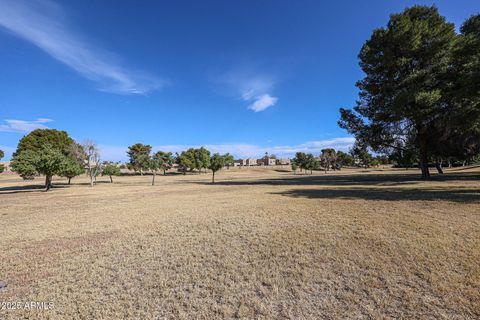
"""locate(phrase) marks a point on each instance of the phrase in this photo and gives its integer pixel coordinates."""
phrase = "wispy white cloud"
(24, 126)
(241, 150)
(45, 24)
(251, 87)
(262, 102)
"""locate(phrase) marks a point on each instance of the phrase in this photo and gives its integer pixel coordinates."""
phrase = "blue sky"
(236, 76)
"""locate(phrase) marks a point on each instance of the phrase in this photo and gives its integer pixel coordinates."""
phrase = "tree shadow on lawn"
(29, 188)
(348, 179)
(460, 195)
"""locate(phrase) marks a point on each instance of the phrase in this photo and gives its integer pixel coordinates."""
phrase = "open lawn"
(260, 243)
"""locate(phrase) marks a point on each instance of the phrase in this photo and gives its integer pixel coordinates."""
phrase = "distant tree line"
(197, 160)
(51, 152)
(419, 101)
(330, 159)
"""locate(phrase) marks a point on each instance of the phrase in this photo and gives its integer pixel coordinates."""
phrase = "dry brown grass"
(259, 244)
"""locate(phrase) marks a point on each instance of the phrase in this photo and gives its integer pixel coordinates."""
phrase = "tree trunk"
(48, 182)
(213, 176)
(69, 179)
(111, 180)
(91, 180)
(438, 165)
(164, 172)
(424, 157)
(153, 178)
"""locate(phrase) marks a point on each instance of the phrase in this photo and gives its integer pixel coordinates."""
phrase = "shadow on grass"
(388, 194)
(346, 180)
(29, 188)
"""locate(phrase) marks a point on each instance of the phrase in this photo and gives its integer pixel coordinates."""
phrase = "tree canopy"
(167, 160)
(38, 138)
(110, 169)
(216, 162)
(139, 155)
(70, 168)
(46, 152)
(414, 69)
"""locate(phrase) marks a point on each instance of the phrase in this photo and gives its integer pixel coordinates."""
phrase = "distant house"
(283, 162)
(246, 162)
(266, 161)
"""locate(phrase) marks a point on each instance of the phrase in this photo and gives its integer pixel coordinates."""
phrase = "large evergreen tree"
(404, 90)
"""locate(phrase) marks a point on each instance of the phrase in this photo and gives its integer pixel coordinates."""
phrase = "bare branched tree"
(92, 160)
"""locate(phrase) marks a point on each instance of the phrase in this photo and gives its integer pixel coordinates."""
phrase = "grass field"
(258, 244)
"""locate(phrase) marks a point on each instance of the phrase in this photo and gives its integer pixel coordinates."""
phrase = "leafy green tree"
(194, 159)
(184, 161)
(47, 161)
(345, 159)
(202, 158)
(110, 169)
(156, 163)
(229, 160)
(2, 167)
(69, 169)
(25, 164)
(216, 163)
(465, 76)
(42, 151)
(328, 158)
(404, 158)
(300, 160)
(139, 155)
(404, 90)
(360, 153)
(310, 163)
(294, 167)
(38, 138)
(167, 160)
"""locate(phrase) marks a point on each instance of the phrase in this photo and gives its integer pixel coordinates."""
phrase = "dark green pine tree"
(404, 89)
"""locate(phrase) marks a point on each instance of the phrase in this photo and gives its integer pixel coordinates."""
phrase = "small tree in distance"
(70, 169)
(155, 163)
(229, 160)
(328, 157)
(167, 160)
(92, 161)
(310, 163)
(217, 162)
(139, 155)
(294, 168)
(110, 169)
